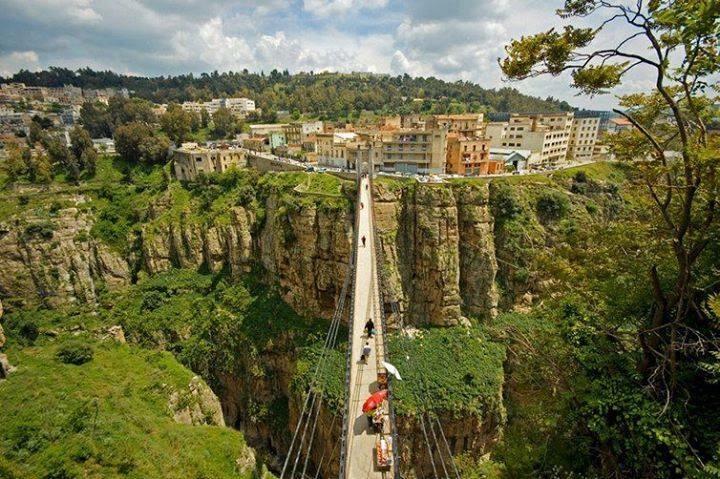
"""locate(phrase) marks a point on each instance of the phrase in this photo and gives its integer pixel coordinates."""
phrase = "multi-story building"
(191, 160)
(469, 156)
(415, 151)
(332, 148)
(583, 136)
(237, 106)
(469, 125)
(547, 135)
(293, 133)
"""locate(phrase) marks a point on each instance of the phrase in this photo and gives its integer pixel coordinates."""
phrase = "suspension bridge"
(368, 446)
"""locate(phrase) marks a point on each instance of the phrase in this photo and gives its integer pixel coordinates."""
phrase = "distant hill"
(327, 95)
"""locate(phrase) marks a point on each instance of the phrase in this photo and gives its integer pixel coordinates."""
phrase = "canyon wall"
(438, 251)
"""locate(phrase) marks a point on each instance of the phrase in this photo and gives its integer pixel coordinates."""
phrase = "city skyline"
(458, 40)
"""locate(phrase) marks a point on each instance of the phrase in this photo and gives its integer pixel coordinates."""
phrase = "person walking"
(363, 241)
(370, 328)
(365, 352)
(362, 205)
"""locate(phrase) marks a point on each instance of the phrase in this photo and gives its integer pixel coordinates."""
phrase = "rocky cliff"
(48, 256)
(438, 251)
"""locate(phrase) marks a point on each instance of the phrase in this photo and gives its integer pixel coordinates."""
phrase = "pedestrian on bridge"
(362, 205)
(363, 240)
(365, 352)
(370, 328)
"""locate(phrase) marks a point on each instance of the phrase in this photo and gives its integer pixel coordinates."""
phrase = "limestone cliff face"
(307, 252)
(304, 250)
(52, 259)
(183, 243)
(438, 251)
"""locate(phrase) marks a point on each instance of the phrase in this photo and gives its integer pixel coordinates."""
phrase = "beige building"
(191, 160)
(583, 136)
(548, 135)
(469, 125)
(416, 151)
(332, 148)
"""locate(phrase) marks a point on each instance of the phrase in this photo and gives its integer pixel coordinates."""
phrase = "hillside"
(327, 95)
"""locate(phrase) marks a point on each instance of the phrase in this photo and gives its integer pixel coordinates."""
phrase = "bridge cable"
(329, 343)
(452, 461)
(437, 446)
(427, 442)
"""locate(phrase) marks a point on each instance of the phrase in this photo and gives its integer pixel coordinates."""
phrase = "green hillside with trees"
(329, 96)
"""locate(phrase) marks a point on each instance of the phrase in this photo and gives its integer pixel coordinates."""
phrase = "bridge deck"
(361, 440)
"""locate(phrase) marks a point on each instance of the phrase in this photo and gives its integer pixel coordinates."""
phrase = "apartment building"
(548, 135)
(469, 156)
(414, 151)
(332, 148)
(237, 106)
(468, 124)
(191, 160)
(583, 135)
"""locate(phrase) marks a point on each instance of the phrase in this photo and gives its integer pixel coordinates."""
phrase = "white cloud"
(15, 61)
(327, 8)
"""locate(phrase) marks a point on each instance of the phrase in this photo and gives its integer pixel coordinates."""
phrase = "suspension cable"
(312, 395)
(427, 442)
(452, 460)
(437, 446)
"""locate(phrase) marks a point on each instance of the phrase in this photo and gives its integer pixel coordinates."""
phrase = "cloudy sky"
(450, 39)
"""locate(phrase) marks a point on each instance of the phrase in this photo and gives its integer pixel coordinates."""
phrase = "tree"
(83, 150)
(223, 123)
(674, 42)
(135, 142)
(204, 118)
(96, 120)
(176, 123)
(60, 154)
(40, 169)
(14, 165)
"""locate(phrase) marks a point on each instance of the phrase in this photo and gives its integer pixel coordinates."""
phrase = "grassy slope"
(106, 418)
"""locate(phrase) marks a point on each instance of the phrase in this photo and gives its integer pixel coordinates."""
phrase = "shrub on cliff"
(552, 205)
(75, 352)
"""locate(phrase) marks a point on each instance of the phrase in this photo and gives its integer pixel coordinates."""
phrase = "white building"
(237, 106)
(519, 160)
(548, 135)
(583, 136)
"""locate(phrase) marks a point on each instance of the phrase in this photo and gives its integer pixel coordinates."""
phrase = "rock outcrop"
(307, 252)
(51, 258)
(198, 405)
(5, 366)
(438, 252)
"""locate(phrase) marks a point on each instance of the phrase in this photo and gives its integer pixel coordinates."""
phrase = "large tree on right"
(675, 44)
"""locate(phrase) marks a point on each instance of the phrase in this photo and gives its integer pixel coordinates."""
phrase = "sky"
(448, 39)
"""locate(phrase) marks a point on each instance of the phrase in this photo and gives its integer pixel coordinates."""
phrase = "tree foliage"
(327, 95)
(136, 142)
(675, 42)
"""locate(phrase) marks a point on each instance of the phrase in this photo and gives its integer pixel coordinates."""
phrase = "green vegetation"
(329, 96)
(76, 352)
(108, 417)
(452, 371)
(206, 320)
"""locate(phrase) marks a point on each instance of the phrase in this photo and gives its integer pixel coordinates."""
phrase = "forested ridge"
(328, 95)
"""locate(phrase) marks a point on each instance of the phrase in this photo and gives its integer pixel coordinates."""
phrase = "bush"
(24, 328)
(580, 177)
(75, 352)
(504, 204)
(552, 205)
(39, 230)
